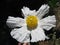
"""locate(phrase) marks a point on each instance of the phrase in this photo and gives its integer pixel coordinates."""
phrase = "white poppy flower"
(32, 24)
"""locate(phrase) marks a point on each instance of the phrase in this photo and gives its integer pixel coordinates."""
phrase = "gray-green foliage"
(52, 3)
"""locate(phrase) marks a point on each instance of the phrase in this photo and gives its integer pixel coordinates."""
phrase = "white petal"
(48, 22)
(38, 35)
(42, 11)
(13, 22)
(26, 11)
(21, 34)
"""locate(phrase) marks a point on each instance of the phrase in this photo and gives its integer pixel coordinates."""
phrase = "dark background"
(13, 8)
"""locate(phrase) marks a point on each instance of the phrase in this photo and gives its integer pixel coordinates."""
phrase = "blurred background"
(13, 8)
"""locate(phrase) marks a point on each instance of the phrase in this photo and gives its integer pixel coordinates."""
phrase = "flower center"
(32, 22)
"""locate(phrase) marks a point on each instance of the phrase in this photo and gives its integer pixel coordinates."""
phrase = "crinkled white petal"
(21, 34)
(13, 22)
(44, 9)
(26, 11)
(38, 35)
(48, 22)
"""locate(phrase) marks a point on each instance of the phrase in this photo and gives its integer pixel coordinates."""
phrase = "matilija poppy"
(33, 24)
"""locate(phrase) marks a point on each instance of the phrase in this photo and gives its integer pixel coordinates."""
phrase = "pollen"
(32, 21)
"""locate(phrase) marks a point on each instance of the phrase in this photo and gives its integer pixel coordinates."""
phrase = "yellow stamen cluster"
(32, 22)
